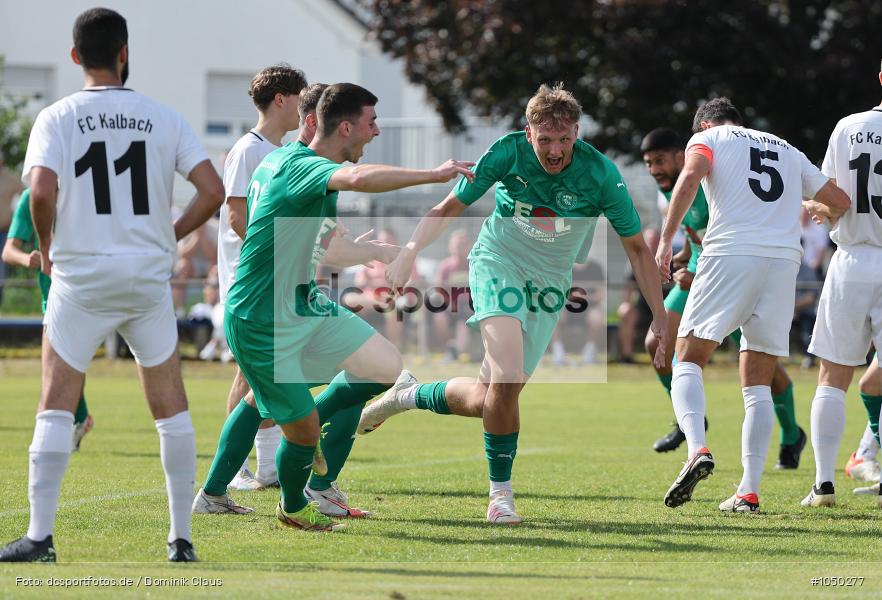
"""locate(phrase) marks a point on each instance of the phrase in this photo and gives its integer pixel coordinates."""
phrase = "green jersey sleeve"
(491, 168)
(309, 176)
(21, 227)
(617, 204)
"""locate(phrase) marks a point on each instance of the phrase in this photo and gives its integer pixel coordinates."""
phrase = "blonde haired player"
(746, 277)
(550, 187)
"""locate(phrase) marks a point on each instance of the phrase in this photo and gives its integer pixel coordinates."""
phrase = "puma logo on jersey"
(509, 456)
(620, 184)
(522, 180)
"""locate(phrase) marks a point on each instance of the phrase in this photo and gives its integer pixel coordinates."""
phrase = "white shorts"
(754, 293)
(850, 309)
(75, 332)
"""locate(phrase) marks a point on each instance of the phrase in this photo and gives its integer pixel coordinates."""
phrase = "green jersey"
(275, 277)
(22, 228)
(694, 225)
(542, 222)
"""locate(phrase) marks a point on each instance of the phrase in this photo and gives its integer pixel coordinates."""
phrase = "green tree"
(15, 127)
(794, 67)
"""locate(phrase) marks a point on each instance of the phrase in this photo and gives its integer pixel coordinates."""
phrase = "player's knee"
(871, 385)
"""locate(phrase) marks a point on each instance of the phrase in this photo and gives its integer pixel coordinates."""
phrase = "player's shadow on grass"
(506, 539)
(151, 455)
(481, 494)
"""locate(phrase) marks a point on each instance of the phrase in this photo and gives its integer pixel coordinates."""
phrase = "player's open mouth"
(554, 162)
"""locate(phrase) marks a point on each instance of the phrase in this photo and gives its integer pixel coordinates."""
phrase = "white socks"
(266, 442)
(49, 454)
(177, 448)
(828, 425)
(499, 487)
(687, 396)
(759, 419)
(868, 448)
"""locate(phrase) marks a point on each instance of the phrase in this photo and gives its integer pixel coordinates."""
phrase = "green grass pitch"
(587, 482)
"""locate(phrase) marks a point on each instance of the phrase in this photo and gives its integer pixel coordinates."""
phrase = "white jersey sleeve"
(42, 151)
(854, 160)
(190, 151)
(754, 192)
(241, 161)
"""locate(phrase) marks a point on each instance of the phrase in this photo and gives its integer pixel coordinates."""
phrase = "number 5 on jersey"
(134, 160)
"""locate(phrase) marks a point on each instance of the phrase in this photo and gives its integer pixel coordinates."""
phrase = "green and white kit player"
(550, 187)
(286, 334)
(21, 232)
(663, 154)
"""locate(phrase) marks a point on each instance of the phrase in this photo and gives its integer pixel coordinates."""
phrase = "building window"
(229, 111)
(34, 84)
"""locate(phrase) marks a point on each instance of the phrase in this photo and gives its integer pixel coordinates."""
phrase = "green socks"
(501, 450)
(294, 464)
(666, 381)
(82, 412)
(873, 404)
(430, 396)
(786, 413)
(346, 391)
(338, 435)
(236, 439)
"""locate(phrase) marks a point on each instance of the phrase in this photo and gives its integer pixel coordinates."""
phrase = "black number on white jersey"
(134, 160)
(776, 184)
(861, 164)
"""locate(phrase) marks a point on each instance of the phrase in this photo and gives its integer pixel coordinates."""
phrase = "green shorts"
(282, 363)
(500, 289)
(675, 301)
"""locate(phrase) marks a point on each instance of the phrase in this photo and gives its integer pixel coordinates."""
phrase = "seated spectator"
(197, 254)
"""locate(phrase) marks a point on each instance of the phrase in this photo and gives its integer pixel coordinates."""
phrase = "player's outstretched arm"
(696, 167)
(374, 179)
(208, 199)
(646, 273)
(344, 252)
(427, 231)
(44, 195)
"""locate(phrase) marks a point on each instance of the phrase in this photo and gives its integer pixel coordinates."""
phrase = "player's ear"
(124, 54)
(311, 121)
(345, 128)
(73, 56)
(679, 159)
(529, 133)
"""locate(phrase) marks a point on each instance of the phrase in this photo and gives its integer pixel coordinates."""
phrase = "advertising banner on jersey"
(539, 276)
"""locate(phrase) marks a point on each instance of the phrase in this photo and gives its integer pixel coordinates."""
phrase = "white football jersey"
(241, 161)
(754, 192)
(854, 160)
(115, 153)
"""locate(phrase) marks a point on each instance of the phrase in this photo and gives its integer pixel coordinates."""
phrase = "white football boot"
(334, 503)
(388, 405)
(205, 504)
(501, 510)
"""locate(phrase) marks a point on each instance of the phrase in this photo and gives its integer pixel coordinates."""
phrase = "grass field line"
(123, 496)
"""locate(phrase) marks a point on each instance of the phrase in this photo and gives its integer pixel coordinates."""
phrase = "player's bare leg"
(828, 425)
(164, 390)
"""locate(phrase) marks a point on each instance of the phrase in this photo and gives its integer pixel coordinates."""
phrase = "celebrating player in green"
(549, 188)
(663, 154)
(285, 334)
(21, 232)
